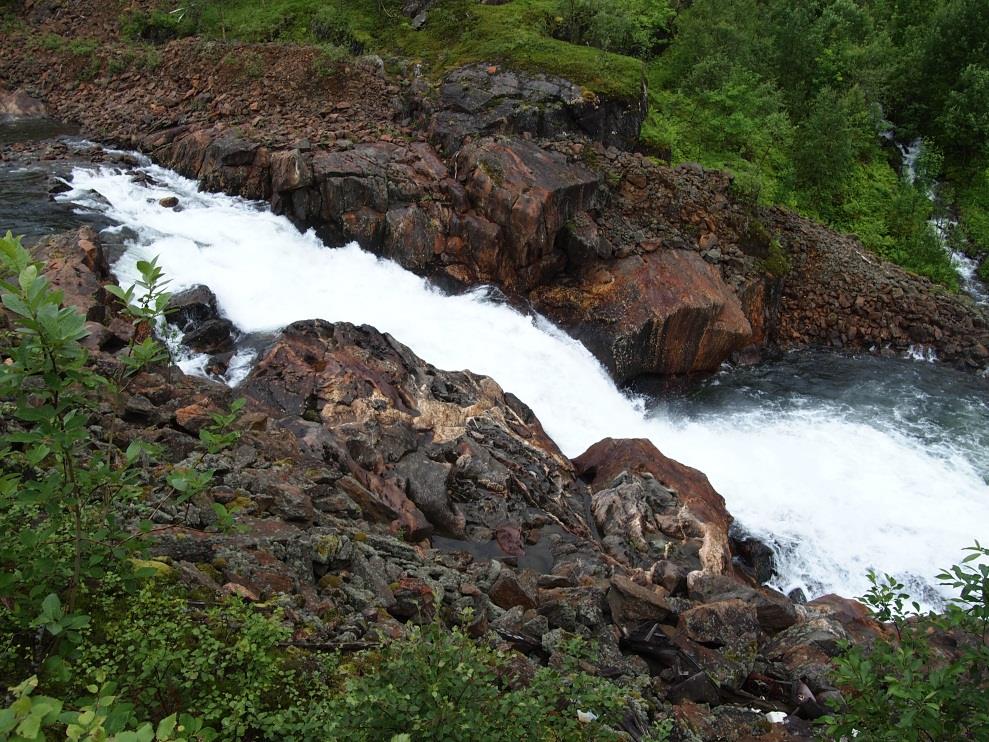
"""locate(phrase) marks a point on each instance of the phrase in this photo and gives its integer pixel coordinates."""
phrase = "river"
(841, 463)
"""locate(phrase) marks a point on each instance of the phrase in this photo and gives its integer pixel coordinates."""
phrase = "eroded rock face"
(530, 194)
(78, 267)
(653, 508)
(430, 450)
(483, 100)
(666, 312)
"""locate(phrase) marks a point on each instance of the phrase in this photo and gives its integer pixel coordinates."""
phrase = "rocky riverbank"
(374, 491)
(491, 176)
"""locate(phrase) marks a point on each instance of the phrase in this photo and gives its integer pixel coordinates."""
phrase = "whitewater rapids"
(835, 491)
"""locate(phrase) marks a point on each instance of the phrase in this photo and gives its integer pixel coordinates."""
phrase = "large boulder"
(529, 193)
(429, 450)
(665, 312)
(76, 265)
(653, 508)
(18, 104)
(483, 100)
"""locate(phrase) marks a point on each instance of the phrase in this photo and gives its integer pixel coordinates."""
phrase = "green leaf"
(51, 606)
(30, 727)
(36, 454)
(166, 726)
(16, 305)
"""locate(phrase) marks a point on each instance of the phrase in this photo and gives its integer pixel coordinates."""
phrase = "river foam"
(837, 494)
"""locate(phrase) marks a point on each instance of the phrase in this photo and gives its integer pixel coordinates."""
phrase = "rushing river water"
(842, 464)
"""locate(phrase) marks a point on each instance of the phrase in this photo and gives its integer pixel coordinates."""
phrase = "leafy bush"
(222, 665)
(440, 685)
(633, 27)
(930, 681)
(49, 478)
(159, 26)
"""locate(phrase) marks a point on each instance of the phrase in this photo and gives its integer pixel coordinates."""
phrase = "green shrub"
(440, 685)
(159, 26)
(633, 27)
(222, 665)
(912, 687)
(777, 263)
(331, 26)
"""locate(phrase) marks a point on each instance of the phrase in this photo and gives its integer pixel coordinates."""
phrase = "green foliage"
(49, 477)
(30, 718)
(972, 234)
(457, 32)
(223, 673)
(909, 688)
(837, 133)
(144, 302)
(220, 434)
(777, 262)
(633, 27)
(221, 665)
(440, 685)
(74, 491)
(158, 26)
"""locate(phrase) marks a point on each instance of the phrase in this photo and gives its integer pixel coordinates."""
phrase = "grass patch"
(457, 32)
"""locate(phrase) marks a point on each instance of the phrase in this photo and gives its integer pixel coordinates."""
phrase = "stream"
(840, 463)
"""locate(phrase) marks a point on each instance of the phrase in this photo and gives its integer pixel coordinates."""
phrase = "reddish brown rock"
(508, 592)
(530, 194)
(408, 436)
(632, 603)
(76, 265)
(666, 312)
(605, 461)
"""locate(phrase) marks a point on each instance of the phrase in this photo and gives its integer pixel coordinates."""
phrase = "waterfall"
(942, 224)
(836, 489)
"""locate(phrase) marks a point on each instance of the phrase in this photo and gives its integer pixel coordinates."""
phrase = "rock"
(194, 417)
(507, 592)
(212, 336)
(698, 688)
(169, 202)
(699, 509)
(755, 558)
(774, 610)
(290, 171)
(19, 104)
(233, 588)
(728, 624)
(631, 603)
(76, 265)
(805, 650)
(192, 307)
(482, 100)
(529, 194)
(575, 609)
(408, 435)
(666, 312)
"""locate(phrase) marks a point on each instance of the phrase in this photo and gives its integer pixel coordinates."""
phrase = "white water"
(942, 224)
(838, 494)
